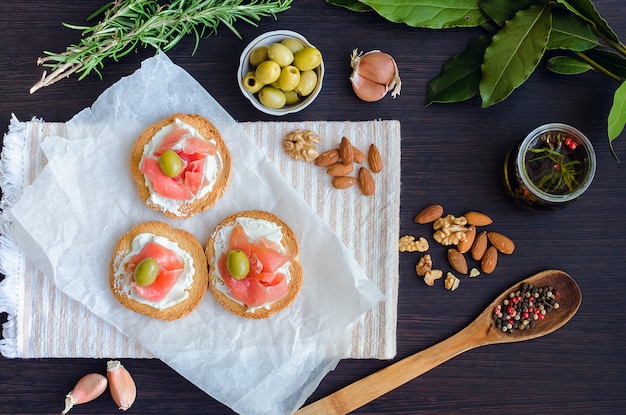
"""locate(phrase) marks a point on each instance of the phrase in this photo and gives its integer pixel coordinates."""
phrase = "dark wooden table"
(451, 154)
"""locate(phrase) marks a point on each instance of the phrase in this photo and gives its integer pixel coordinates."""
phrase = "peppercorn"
(521, 310)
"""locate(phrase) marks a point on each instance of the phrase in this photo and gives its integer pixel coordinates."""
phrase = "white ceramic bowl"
(267, 39)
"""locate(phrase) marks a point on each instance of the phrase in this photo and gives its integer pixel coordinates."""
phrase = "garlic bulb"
(374, 74)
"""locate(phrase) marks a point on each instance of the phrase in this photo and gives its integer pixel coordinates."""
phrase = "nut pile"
(339, 163)
(463, 237)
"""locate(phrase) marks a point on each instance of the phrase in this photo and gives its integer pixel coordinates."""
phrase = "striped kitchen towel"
(44, 322)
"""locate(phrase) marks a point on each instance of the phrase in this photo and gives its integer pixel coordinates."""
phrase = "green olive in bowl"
(280, 87)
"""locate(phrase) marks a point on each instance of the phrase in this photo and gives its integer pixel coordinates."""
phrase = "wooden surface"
(451, 154)
(480, 332)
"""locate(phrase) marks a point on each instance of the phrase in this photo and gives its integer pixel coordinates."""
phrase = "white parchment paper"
(84, 200)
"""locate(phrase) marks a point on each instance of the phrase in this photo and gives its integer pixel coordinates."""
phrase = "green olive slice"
(280, 54)
(272, 97)
(307, 58)
(146, 271)
(291, 97)
(251, 84)
(289, 78)
(258, 55)
(293, 44)
(267, 72)
(237, 264)
(306, 83)
(170, 163)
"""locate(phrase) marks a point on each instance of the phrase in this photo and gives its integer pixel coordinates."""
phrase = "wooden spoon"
(482, 331)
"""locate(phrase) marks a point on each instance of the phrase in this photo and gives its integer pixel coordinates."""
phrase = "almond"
(466, 244)
(339, 169)
(478, 219)
(501, 242)
(366, 182)
(480, 246)
(489, 260)
(429, 214)
(374, 160)
(457, 260)
(343, 182)
(327, 158)
(358, 155)
(346, 151)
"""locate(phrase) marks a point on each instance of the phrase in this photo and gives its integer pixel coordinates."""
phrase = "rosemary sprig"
(563, 173)
(127, 24)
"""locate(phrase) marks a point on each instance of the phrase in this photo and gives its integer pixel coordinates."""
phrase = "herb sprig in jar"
(553, 161)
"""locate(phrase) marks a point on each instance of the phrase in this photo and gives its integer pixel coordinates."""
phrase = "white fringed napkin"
(368, 226)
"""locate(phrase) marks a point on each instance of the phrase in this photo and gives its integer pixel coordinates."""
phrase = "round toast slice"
(220, 290)
(186, 242)
(191, 207)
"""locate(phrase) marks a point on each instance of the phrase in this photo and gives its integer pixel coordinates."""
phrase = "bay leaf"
(567, 65)
(570, 32)
(460, 75)
(514, 53)
(353, 5)
(431, 14)
(617, 115)
(610, 61)
(502, 10)
(587, 11)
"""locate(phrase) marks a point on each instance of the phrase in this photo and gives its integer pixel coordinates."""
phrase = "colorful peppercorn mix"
(524, 307)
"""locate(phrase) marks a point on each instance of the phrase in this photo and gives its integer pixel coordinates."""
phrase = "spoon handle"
(385, 380)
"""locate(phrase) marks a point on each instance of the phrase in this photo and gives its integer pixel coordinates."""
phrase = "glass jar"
(550, 168)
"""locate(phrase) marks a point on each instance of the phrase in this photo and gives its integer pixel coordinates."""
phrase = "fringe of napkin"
(26, 295)
(11, 183)
(29, 332)
(17, 170)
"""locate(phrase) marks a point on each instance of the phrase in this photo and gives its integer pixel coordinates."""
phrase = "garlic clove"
(121, 385)
(377, 67)
(88, 388)
(367, 90)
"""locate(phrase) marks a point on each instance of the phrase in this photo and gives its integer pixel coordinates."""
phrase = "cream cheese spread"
(179, 291)
(212, 167)
(255, 229)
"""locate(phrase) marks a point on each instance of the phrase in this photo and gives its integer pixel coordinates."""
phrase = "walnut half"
(432, 275)
(408, 244)
(451, 282)
(424, 265)
(450, 230)
(302, 145)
